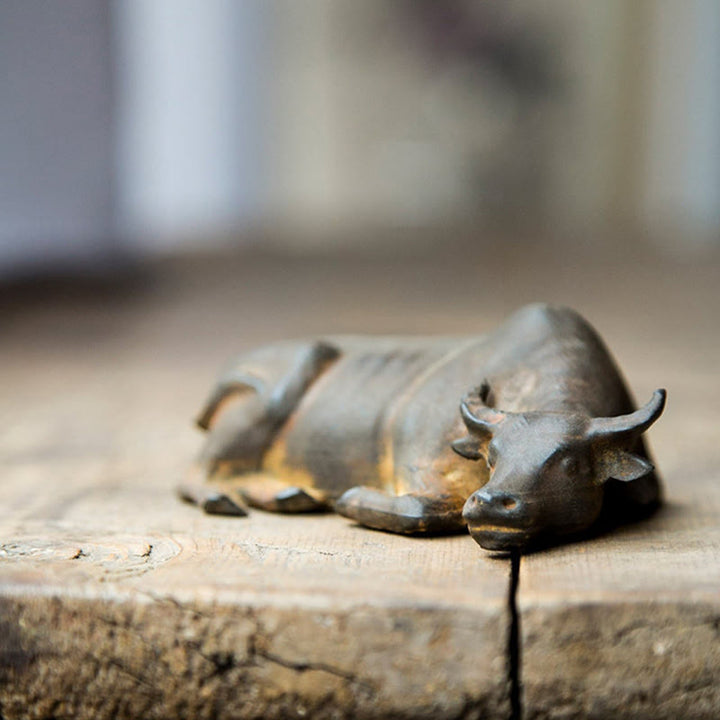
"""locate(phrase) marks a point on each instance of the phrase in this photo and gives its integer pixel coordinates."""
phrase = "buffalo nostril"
(484, 504)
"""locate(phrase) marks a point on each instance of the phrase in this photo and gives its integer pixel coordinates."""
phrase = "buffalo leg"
(231, 496)
(267, 492)
(408, 514)
(213, 498)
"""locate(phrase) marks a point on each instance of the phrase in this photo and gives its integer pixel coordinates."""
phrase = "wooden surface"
(629, 625)
(118, 601)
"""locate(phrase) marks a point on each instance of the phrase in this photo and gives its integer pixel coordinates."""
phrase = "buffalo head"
(547, 469)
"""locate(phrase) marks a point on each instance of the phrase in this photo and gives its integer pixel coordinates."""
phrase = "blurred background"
(131, 128)
(183, 179)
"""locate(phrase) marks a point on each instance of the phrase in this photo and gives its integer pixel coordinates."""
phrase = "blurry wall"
(409, 113)
(161, 124)
(576, 115)
(680, 183)
(190, 142)
(57, 180)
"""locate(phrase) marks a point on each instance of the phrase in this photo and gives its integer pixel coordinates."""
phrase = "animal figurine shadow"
(526, 435)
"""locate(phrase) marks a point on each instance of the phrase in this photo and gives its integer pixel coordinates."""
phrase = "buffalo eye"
(570, 465)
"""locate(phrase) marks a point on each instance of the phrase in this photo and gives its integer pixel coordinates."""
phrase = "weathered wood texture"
(629, 625)
(263, 623)
(118, 601)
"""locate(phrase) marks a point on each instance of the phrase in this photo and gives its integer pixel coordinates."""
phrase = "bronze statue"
(385, 432)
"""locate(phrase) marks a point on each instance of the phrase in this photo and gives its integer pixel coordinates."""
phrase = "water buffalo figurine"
(523, 435)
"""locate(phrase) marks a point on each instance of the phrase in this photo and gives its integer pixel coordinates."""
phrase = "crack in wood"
(514, 641)
(260, 637)
(301, 667)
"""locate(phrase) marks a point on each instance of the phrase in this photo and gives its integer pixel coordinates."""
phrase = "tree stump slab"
(628, 625)
(118, 601)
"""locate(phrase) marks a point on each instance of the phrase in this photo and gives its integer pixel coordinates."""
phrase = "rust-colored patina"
(545, 444)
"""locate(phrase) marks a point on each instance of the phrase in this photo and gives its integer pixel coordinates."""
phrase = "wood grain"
(119, 601)
(628, 625)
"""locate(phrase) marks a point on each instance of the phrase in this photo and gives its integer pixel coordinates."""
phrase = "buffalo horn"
(481, 419)
(631, 425)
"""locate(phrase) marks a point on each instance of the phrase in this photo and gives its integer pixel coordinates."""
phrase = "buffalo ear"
(468, 447)
(620, 465)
